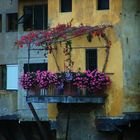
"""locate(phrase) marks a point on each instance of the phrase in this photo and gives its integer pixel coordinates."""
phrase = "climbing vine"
(64, 33)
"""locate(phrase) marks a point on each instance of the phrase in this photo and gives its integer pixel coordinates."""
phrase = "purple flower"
(69, 76)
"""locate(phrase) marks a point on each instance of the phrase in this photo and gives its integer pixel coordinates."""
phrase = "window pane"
(66, 5)
(28, 18)
(91, 59)
(35, 67)
(103, 4)
(12, 77)
(0, 23)
(12, 22)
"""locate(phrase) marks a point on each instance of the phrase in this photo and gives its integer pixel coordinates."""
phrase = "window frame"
(4, 77)
(9, 22)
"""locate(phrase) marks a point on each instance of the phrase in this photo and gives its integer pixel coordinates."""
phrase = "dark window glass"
(103, 4)
(35, 17)
(0, 23)
(66, 5)
(12, 22)
(3, 77)
(28, 18)
(91, 59)
(35, 67)
(45, 15)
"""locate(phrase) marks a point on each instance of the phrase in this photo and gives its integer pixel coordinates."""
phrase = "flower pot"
(69, 89)
(34, 91)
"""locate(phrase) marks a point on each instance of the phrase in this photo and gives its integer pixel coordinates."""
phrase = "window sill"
(4, 91)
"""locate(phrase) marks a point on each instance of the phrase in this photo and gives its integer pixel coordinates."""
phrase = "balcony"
(69, 94)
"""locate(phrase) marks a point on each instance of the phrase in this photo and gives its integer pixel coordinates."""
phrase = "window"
(9, 77)
(66, 5)
(91, 59)
(12, 22)
(0, 23)
(103, 4)
(35, 17)
(35, 67)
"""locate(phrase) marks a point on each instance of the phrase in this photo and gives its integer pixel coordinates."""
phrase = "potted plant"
(65, 85)
(47, 80)
(91, 82)
(28, 82)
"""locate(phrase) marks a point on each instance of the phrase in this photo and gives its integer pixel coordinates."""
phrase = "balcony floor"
(66, 99)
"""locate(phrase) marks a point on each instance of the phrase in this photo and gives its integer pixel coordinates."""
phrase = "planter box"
(68, 94)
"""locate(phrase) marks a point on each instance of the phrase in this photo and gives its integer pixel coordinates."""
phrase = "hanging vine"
(64, 33)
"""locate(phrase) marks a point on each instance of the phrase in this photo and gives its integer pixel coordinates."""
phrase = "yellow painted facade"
(85, 11)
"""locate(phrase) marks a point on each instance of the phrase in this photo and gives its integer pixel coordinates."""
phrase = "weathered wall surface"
(8, 103)
(82, 124)
(8, 53)
(131, 54)
(88, 14)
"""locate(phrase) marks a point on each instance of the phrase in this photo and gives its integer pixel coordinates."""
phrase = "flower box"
(46, 83)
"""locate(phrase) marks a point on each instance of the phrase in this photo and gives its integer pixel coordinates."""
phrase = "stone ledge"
(66, 99)
(104, 123)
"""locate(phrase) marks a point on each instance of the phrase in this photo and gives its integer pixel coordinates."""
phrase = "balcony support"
(68, 122)
(41, 129)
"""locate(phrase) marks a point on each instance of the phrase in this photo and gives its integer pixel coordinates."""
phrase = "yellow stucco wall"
(85, 12)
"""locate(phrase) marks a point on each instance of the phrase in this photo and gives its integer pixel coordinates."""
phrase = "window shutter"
(91, 59)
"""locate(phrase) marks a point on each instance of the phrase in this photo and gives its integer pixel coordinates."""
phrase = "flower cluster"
(28, 80)
(60, 33)
(45, 79)
(41, 79)
(93, 81)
